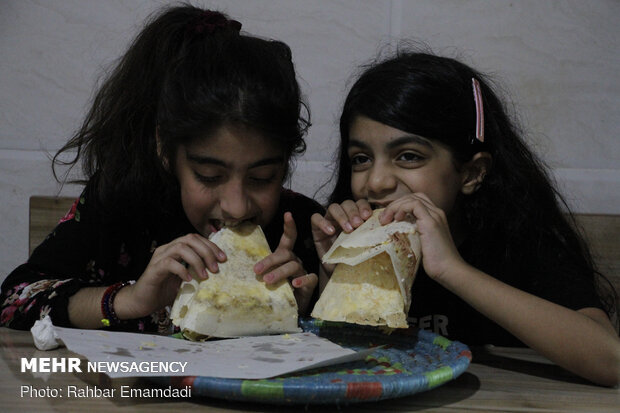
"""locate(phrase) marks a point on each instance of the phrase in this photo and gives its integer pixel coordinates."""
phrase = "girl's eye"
(409, 157)
(359, 159)
(207, 179)
(262, 180)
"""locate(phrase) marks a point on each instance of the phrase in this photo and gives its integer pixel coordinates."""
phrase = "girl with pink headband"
(427, 137)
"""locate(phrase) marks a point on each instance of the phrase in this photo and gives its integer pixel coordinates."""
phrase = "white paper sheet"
(243, 358)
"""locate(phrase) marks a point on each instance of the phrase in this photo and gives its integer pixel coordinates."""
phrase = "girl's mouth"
(217, 224)
(377, 204)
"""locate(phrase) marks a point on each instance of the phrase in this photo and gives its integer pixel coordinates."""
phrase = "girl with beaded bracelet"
(426, 137)
(193, 129)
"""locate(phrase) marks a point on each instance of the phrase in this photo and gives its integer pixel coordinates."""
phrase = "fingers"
(306, 281)
(287, 270)
(171, 266)
(289, 235)
(349, 214)
(320, 226)
(193, 253)
(364, 208)
(281, 264)
(303, 288)
(416, 205)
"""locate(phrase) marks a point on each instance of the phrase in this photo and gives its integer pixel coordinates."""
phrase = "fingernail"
(331, 229)
(297, 282)
(214, 267)
(258, 268)
(348, 227)
(205, 274)
(268, 278)
(357, 220)
(221, 256)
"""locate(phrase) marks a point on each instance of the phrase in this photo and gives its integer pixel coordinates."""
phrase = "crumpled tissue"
(43, 334)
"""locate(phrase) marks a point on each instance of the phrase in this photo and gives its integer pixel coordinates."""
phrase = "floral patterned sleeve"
(75, 255)
(54, 272)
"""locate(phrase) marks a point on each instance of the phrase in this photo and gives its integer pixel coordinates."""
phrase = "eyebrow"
(402, 140)
(208, 160)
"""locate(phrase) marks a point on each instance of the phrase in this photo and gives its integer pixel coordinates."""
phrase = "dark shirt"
(86, 249)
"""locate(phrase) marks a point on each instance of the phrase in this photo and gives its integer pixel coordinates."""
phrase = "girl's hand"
(439, 253)
(339, 217)
(283, 263)
(170, 264)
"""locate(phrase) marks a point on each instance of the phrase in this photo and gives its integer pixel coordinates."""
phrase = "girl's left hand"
(439, 253)
(283, 263)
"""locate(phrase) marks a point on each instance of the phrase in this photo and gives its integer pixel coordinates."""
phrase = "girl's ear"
(474, 172)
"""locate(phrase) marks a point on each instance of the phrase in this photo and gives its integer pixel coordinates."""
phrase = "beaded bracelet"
(107, 301)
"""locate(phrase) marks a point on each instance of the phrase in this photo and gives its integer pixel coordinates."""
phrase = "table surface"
(498, 380)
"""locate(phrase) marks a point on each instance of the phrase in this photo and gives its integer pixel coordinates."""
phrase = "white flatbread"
(376, 267)
(236, 302)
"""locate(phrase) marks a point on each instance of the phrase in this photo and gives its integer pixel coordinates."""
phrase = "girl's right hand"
(170, 264)
(339, 217)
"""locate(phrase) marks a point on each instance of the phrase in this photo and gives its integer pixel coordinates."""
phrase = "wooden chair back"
(45, 213)
(603, 235)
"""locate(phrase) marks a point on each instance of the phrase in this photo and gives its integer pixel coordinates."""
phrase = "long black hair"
(518, 224)
(188, 72)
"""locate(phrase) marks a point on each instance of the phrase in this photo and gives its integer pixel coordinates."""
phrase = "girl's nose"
(381, 181)
(234, 201)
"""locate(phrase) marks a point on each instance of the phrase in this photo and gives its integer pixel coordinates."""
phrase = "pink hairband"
(479, 110)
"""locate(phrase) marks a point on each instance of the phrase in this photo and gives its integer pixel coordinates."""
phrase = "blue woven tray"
(410, 361)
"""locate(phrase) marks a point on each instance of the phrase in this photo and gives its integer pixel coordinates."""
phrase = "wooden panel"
(45, 213)
(603, 234)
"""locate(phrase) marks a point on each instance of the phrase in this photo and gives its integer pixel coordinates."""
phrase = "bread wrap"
(371, 283)
(235, 302)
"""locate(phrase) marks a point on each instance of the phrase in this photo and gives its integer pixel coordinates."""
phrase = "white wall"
(558, 59)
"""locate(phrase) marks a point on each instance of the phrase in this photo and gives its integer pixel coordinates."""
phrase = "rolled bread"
(235, 302)
(371, 283)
